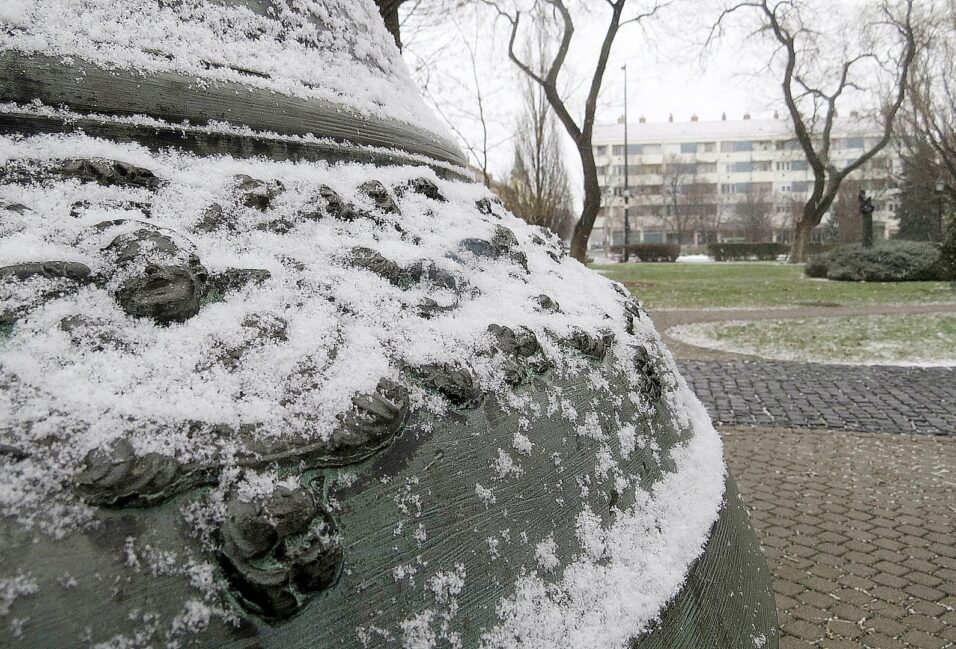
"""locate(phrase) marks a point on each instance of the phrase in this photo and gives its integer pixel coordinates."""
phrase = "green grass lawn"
(905, 339)
(755, 284)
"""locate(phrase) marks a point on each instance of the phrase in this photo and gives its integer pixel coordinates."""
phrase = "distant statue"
(866, 214)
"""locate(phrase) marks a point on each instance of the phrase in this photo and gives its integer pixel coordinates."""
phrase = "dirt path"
(665, 319)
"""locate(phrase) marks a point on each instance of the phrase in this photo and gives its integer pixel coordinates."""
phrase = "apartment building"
(729, 180)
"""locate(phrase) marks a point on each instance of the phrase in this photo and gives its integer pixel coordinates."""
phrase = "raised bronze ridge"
(95, 92)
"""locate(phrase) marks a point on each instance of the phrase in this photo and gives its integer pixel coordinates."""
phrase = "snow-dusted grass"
(912, 339)
(759, 285)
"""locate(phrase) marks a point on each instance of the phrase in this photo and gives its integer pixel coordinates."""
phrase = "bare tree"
(459, 88)
(813, 84)
(929, 119)
(579, 129)
(389, 11)
(752, 214)
(537, 189)
(680, 193)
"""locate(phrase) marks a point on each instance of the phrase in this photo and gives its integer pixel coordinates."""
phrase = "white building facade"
(698, 182)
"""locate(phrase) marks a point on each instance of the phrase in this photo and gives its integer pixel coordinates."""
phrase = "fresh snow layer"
(314, 49)
(348, 327)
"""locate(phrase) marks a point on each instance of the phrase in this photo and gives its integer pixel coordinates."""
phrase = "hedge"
(747, 251)
(651, 252)
(890, 261)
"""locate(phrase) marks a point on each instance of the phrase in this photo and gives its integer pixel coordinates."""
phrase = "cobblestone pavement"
(860, 533)
(834, 397)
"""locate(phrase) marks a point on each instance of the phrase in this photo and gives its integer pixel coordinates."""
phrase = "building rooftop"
(730, 129)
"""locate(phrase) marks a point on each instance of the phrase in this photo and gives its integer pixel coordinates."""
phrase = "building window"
(783, 166)
(706, 167)
(688, 147)
(763, 165)
(854, 142)
(799, 165)
(710, 147)
(800, 187)
(600, 150)
(784, 145)
(736, 147)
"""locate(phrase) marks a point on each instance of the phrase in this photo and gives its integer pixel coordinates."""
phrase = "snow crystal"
(522, 444)
(404, 571)
(485, 495)
(505, 466)
(546, 553)
(627, 437)
(13, 587)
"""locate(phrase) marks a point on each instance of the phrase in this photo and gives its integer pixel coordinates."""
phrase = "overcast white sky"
(667, 70)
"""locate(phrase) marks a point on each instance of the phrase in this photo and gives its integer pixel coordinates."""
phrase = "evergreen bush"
(889, 261)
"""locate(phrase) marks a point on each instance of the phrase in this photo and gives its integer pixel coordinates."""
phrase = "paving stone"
(915, 638)
(922, 592)
(810, 614)
(857, 398)
(923, 623)
(880, 641)
(804, 630)
(844, 629)
(853, 552)
(839, 643)
(885, 626)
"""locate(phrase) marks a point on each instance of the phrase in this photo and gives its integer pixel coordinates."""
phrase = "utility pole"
(627, 191)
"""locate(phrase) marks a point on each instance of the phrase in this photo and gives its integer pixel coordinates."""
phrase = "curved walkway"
(741, 390)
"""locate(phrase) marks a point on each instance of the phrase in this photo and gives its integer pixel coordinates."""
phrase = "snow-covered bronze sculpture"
(275, 375)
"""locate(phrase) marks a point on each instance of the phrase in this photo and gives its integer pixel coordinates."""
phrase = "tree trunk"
(592, 204)
(801, 239)
(389, 11)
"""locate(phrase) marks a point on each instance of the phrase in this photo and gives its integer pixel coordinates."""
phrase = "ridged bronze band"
(209, 143)
(89, 89)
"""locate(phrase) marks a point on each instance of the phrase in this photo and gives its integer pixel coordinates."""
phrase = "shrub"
(817, 265)
(747, 251)
(891, 261)
(652, 252)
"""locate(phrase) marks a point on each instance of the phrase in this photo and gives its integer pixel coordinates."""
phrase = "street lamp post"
(627, 193)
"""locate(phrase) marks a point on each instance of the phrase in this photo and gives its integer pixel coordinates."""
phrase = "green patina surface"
(754, 284)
